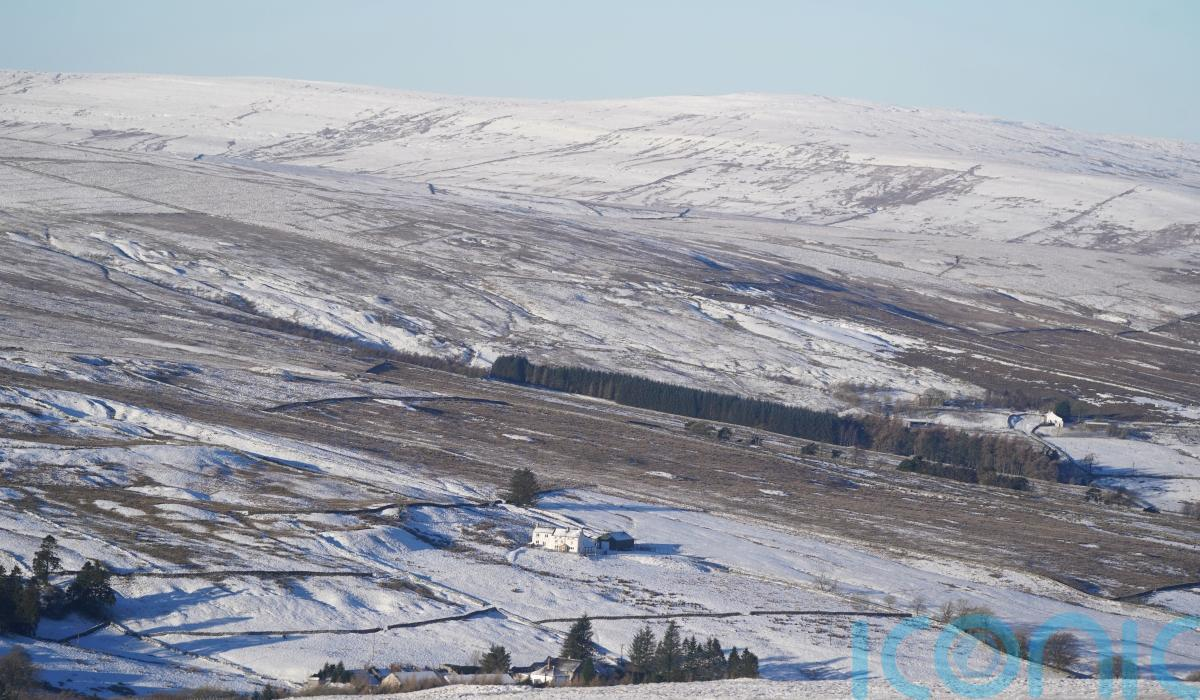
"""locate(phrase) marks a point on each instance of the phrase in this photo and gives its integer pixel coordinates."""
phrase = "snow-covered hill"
(655, 235)
(199, 278)
(806, 159)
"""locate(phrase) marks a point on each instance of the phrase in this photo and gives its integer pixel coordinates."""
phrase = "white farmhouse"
(561, 539)
(1053, 419)
(555, 672)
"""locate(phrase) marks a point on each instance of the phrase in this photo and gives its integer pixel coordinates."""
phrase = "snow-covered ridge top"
(260, 106)
(808, 159)
(20, 81)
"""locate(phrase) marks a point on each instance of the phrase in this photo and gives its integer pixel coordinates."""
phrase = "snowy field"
(1061, 689)
(1166, 475)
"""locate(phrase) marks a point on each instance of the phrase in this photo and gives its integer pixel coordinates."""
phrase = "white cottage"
(561, 539)
(1053, 419)
(555, 671)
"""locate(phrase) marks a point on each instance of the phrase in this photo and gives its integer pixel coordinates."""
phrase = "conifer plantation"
(989, 458)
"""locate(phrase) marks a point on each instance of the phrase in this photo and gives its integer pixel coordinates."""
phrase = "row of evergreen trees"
(670, 659)
(24, 600)
(964, 474)
(674, 659)
(334, 673)
(986, 454)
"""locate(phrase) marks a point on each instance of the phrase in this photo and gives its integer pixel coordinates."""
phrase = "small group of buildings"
(551, 672)
(580, 541)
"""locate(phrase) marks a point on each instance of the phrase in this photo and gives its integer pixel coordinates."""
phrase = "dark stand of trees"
(968, 475)
(334, 673)
(24, 600)
(993, 458)
(675, 659)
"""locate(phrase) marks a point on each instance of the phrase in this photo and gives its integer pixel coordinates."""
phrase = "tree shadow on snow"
(785, 668)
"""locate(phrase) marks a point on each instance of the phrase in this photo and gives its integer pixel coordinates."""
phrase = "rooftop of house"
(558, 531)
(575, 532)
(561, 664)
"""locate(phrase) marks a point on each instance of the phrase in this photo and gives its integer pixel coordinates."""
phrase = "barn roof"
(618, 535)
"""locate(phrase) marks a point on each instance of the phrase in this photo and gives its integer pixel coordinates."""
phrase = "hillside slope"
(805, 159)
(937, 250)
(200, 278)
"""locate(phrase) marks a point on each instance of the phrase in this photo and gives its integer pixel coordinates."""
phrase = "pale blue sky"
(1099, 65)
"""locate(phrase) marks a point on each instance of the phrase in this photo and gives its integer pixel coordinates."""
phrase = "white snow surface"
(1057, 688)
(1166, 475)
(814, 159)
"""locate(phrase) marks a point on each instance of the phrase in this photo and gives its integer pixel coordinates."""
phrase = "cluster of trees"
(24, 600)
(674, 659)
(988, 455)
(334, 673)
(630, 390)
(920, 465)
(1061, 650)
(670, 659)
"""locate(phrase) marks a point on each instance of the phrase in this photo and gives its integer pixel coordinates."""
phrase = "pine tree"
(690, 664)
(734, 665)
(587, 671)
(578, 644)
(29, 608)
(669, 655)
(749, 665)
(522, 488)
(90, 593)
(641, 654)
(714, 660)
(9, 586)
(496, 660)
(46, 561)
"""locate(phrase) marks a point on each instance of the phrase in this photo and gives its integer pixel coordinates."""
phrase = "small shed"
(410, 677)
(616, 541)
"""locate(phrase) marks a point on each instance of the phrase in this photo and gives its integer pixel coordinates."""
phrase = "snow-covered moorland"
(200, 279)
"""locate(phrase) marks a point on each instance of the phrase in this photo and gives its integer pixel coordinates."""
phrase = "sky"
(1095, 65)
